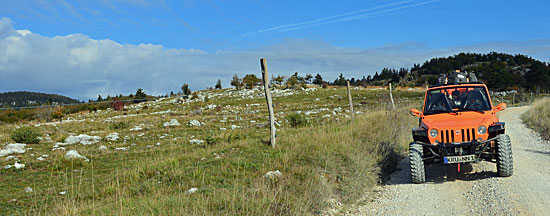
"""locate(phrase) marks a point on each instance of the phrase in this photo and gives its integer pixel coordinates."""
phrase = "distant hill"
(499, 71)
(24, 98)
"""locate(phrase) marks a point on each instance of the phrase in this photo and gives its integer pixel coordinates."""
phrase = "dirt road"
(476, 190)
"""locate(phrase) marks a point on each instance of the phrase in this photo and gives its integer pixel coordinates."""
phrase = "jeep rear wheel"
(505, 162)
(418, 174)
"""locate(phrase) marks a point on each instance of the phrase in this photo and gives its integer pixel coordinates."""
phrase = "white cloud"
(80, 67)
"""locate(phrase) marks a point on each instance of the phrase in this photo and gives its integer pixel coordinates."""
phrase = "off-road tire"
(505, 162)
(418, 173)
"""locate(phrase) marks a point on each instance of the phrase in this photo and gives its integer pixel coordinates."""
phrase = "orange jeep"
(459, 125)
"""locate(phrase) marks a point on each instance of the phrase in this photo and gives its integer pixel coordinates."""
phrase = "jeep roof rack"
(456, 77)
(448, 84)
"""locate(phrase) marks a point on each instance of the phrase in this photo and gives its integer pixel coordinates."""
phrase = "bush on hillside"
(538, 117)
(297, 120)
(119, 125)
(27, 135)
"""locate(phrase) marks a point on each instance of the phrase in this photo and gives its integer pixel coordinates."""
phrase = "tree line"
(499, 71)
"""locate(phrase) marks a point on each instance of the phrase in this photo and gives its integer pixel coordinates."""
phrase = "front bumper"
(479, 148)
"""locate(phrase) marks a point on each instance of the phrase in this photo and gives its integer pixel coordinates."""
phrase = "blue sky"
(85, 48)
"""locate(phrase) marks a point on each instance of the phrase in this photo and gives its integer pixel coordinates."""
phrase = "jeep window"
(456, 99)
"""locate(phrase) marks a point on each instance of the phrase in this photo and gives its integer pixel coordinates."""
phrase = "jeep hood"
(463, 119)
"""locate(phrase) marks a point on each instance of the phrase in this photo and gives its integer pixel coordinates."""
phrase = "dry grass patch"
(538, 117)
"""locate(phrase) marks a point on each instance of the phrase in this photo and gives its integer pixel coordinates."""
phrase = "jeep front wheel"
(418, 173)
(505, 162)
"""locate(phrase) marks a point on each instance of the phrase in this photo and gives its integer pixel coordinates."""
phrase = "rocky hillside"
(207, 155)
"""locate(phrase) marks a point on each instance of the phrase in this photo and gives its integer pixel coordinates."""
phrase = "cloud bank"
(80, 67)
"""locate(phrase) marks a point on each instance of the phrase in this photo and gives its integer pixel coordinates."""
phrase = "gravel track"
(476, 190)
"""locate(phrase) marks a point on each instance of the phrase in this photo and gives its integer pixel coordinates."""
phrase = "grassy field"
(538, 117)
(325, 160)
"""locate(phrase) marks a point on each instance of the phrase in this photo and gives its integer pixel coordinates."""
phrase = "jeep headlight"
(433, 133)
(481, 130)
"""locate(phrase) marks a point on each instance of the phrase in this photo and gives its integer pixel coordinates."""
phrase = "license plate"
(459, 159)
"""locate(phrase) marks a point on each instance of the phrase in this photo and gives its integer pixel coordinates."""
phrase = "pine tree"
(140, 94)
(318, 79)
(341, 80)
(308, 78)
(236, 82)
(185, 89)
(219, 84)
(250, 80)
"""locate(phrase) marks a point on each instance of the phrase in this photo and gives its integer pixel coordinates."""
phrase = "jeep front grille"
(450, 136)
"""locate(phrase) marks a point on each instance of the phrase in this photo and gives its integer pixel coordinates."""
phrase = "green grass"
(332, 158)
(538, 117)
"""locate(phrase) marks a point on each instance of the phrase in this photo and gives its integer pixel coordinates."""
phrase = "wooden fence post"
(391, 98)
(513, 98)
(267, 90)
(350, 103)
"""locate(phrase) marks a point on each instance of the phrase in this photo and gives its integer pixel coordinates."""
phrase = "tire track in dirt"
(476, 190)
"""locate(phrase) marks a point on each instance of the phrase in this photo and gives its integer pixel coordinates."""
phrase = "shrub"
(119, 125)
(297, 120)
(234, 137)
(58, 113)
(538, 117)
(27, 135)
(212, 140)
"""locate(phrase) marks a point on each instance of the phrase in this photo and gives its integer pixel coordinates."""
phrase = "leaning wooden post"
(350, 103)
(391, 98)
(265, 78)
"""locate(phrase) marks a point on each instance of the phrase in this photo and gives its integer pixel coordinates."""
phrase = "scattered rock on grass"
(11, 157)
(192, 190)
(58, 148)
(13, 148)
(82, 139)
(194, 123)
(138, 127)
(73, 154)
(28, 190)
(42, 158)
(196, 141)
(112, 136)
(171, 123)
(122, 148)
(16, 165)
(273, 174)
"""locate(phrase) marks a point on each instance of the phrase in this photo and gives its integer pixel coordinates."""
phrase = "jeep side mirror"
(416, 112)
(500, 107)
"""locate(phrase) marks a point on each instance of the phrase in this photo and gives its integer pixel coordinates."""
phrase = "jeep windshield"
(457, 99)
